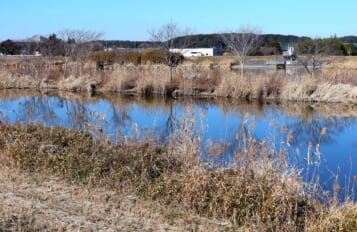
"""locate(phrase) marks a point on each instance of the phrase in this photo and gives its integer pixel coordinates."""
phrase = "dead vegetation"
(259, 190)
(198, 76)
(35, 202)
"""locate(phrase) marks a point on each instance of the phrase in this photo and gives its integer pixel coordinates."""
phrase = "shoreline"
(191, 80)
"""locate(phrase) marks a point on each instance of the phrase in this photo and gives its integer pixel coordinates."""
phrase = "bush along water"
(259, 190)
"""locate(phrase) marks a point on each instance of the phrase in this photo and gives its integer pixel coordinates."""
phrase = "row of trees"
(328, 46)
(53, 45)
(312, 51)
(75, 46)
(72, 45)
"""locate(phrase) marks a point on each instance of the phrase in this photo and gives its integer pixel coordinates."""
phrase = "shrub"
(132, 57)
(103, 56)
(155, 56)
(177, 58)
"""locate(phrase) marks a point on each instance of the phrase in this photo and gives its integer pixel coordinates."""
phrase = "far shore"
(202, 77)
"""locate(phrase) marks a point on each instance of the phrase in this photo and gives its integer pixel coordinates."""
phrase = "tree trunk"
(65, 66)
(64, 70)
(170, 74)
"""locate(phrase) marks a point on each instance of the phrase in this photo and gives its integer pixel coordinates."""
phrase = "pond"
(320, 138)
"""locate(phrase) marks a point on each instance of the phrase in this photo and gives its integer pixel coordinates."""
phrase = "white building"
(198, 51)
(289, 54)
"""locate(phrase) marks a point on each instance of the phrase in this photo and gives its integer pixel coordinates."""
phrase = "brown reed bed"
(215, 80)
(212, 77)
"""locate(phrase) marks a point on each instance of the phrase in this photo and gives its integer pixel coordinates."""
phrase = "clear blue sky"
(131, 19)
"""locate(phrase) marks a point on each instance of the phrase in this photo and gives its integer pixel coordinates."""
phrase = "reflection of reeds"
(305, 109)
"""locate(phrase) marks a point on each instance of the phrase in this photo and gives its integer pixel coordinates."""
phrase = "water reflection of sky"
(221, 122)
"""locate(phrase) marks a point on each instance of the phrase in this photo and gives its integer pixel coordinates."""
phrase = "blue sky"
(131, 19)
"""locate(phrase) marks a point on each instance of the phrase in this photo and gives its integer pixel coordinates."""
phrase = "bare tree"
(30, 60)
(165, 37)
(313, 53)
(77, 45)
(52, 47)
(241, 42)
(68, 47)
(310, 55)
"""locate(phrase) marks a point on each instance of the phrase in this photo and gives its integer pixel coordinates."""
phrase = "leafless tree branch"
(77, 45)
(165, 36)
(241, 42)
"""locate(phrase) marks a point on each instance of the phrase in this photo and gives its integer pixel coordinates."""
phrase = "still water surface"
(215, 120)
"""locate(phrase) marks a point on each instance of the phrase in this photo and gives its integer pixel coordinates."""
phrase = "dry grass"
(250, 195)
(213, 77)
(15, 81)
(173, 175)
(258, 191)
(314, 90)
(341, 70)
(45, 203)
(250, 86)
(335, 218)
(206, 76)
(117, 171)
(188, 79)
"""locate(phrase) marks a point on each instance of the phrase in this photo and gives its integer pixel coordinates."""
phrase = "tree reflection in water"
(305, 121)
(37, 109)
(309, 125)
(227, 128)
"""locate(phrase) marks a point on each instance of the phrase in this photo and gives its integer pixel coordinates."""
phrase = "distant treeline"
(203, 41)
(215, 40)
(268, 44)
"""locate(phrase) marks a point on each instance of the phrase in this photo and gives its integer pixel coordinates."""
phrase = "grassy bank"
(259, 192)
(211, 77)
